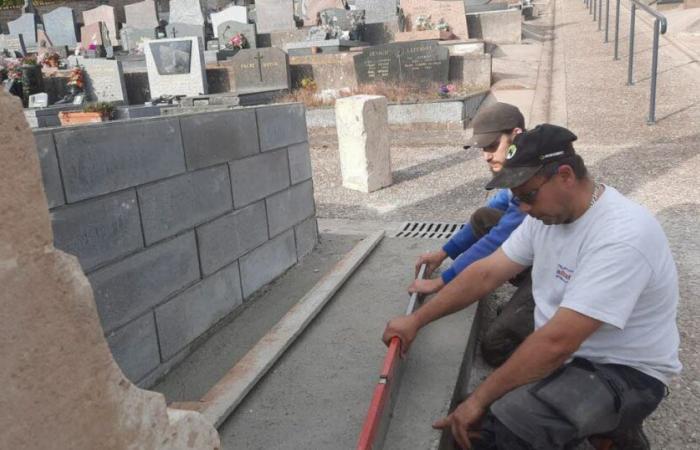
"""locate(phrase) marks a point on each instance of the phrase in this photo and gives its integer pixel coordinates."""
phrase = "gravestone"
(142, 16)
(259, 70)
(26, 26)
(405, 62)
(104, 80)
(232, 13)
(274, 15)
(71, 393)
(175, 67)
(378, 11)
(186, 19)
(132, 37)
(311, 8)
(227, 30)
(60, 26)
(450, 12)
(94, 33)
(12, 44)
(104, 14)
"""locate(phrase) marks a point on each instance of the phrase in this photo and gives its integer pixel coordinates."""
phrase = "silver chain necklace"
(597, 191)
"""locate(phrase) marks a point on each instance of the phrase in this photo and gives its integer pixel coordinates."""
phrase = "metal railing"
(660, 27)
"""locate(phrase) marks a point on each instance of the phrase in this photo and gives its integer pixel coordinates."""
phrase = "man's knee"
(484, 219)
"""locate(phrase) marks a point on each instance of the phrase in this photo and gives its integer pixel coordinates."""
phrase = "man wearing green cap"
(606, 292)
(495, 127)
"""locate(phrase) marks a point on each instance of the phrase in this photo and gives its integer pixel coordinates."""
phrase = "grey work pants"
(579, 400)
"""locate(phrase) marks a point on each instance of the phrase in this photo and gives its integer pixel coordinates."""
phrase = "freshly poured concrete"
(317, 394)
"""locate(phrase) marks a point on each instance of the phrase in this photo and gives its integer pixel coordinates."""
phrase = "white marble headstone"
(104, 80)
(175, 67)
(230, 14)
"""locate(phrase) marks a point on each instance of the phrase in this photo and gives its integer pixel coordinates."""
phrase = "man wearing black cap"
(606, 293)
(495, 127)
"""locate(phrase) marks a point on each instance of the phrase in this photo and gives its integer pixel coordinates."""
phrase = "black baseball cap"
(530, 152)
(491, 121)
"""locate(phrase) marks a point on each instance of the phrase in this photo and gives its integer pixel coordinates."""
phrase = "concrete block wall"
(178, 220)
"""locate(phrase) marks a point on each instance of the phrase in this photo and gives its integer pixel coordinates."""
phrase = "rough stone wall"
(178, 220)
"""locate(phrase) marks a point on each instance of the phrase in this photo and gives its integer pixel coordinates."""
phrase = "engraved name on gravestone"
(12, 45)
(274, 15)
(450, 12)
(378, 11)
(259, 70)
(26, 26)
(104, 14)
(142, 15)
(228, 29)
(409, 62)
(60, 26)
(175, 67)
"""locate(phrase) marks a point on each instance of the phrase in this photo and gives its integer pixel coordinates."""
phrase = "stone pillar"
(363, 142)
(60, 385)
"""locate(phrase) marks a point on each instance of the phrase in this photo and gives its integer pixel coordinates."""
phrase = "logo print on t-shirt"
(564, 273)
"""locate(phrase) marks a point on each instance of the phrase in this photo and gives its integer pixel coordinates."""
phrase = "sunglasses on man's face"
(530, 196)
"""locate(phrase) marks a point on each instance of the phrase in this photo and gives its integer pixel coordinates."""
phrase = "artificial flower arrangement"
(238, 41)
(49, 59)
(77, 78)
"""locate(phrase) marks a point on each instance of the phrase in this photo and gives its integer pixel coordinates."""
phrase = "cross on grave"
(174, 33)
(259, 58)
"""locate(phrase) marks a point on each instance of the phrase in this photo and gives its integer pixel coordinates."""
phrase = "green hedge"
(10, 4)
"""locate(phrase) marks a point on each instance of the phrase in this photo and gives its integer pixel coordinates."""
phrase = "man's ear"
(516, 131)
(566, 172)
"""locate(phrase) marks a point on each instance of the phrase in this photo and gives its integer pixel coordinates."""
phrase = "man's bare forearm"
(468, 287)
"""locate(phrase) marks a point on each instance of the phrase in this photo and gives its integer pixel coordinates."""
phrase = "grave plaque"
(40, 100)
(311, 8)
(232, 13)
(60, 26)
(26, 26)
(378, 11)
(142, 15)
(12, 44)
(104, 14)
(175, 67)
(259, 70)
(274, 15)
(229, 29)
(104, 80)
(410, 62)
(450, 12)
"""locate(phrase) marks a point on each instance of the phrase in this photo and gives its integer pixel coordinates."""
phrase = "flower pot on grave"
(32, 82)
(77, 117)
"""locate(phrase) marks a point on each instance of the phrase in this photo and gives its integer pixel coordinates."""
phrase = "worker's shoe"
(630, 439)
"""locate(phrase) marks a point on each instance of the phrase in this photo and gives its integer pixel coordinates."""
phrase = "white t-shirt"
(613, 264)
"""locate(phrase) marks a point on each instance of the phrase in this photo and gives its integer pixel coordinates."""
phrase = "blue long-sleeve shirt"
(464, 248)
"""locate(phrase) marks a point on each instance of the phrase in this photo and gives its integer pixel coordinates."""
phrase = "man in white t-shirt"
(606, 293)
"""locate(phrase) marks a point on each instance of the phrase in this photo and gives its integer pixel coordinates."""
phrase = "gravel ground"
(657, 165)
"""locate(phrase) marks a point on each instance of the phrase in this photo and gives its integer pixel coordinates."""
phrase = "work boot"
(632, 438)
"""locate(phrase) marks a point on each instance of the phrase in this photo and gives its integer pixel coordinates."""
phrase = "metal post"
(607, 19)
(595, 4)
(590, 6)
(654, 64)
(617, 29)
(631, 58)
(600, 14)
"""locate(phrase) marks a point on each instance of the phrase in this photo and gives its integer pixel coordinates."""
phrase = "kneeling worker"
(606, 294)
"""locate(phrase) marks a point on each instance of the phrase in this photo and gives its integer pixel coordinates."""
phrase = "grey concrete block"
(306, 234)
(227, 238)
(135, 347)
(267, 262)
(192, 312)
(179, 203)
(46, 149)
(299, 162)
(127, 289)
(259, 176)
(100, 230)
(280, 126)
(98, 159)
(220, 136)
(290, 207)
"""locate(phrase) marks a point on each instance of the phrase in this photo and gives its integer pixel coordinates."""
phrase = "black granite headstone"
(259, 70)
(404, 62)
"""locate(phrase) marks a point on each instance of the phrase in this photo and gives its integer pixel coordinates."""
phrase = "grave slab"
(176, 67)
(363, 142)
(378, 11)
(274, 15)
(310, 9)
(326, 46)
(450, 12)
(405, 62)
(105, 14)
(104, 80)
(258, 70)
(60, 26)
